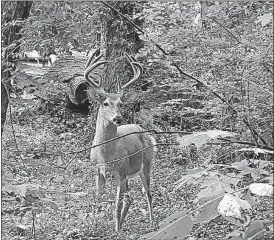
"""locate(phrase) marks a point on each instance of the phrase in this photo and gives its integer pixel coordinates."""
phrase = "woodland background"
(208, 84)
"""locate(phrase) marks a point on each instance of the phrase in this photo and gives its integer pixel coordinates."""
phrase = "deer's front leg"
(119, 204)
(100, 180)
(126, 203)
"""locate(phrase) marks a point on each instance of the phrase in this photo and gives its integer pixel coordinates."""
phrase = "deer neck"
(105, 130)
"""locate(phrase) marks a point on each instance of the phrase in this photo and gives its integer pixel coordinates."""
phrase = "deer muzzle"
(118, 120)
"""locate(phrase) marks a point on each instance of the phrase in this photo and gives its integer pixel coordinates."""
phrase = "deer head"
(110, 103)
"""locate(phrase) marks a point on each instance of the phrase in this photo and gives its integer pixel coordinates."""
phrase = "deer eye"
(106, 104)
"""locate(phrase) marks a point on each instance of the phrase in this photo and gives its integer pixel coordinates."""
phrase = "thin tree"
(119, 36)
(13, 16)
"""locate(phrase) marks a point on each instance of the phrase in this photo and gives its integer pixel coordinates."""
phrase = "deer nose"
(118, 120)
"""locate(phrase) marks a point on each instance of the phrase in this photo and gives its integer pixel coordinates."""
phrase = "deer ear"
(101, 96)
(129, 97)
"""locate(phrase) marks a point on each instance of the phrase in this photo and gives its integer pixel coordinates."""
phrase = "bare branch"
(260, 87)
(120, 14)
(248, 143)
(13, 133)
(266, 67)
(143, 149)
(225, 28)
(116, 160)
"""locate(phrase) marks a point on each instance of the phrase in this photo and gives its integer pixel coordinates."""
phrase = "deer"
(127, 156)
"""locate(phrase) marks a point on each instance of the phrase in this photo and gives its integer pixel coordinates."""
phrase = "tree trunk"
(119, 36)
(13, 14)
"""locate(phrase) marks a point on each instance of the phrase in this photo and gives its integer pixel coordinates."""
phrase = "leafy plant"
(221, 194)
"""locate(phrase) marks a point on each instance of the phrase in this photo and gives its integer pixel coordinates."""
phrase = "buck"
(127, 156)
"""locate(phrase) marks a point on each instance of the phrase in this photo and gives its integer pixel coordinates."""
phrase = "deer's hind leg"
(145, 177)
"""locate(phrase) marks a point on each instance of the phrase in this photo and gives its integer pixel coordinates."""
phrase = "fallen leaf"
(231, 206)
(261, 189)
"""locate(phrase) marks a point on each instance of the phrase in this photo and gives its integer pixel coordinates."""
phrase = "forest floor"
(47, 150)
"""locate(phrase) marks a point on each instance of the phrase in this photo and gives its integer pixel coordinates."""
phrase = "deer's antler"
(92, 63)
(137, 71)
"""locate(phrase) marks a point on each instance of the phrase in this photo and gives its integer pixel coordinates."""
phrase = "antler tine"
(89, 70)
(95, 53)
(91, 65)
(137, 70)
(134, 60)
(119, 85)
(130, 60)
